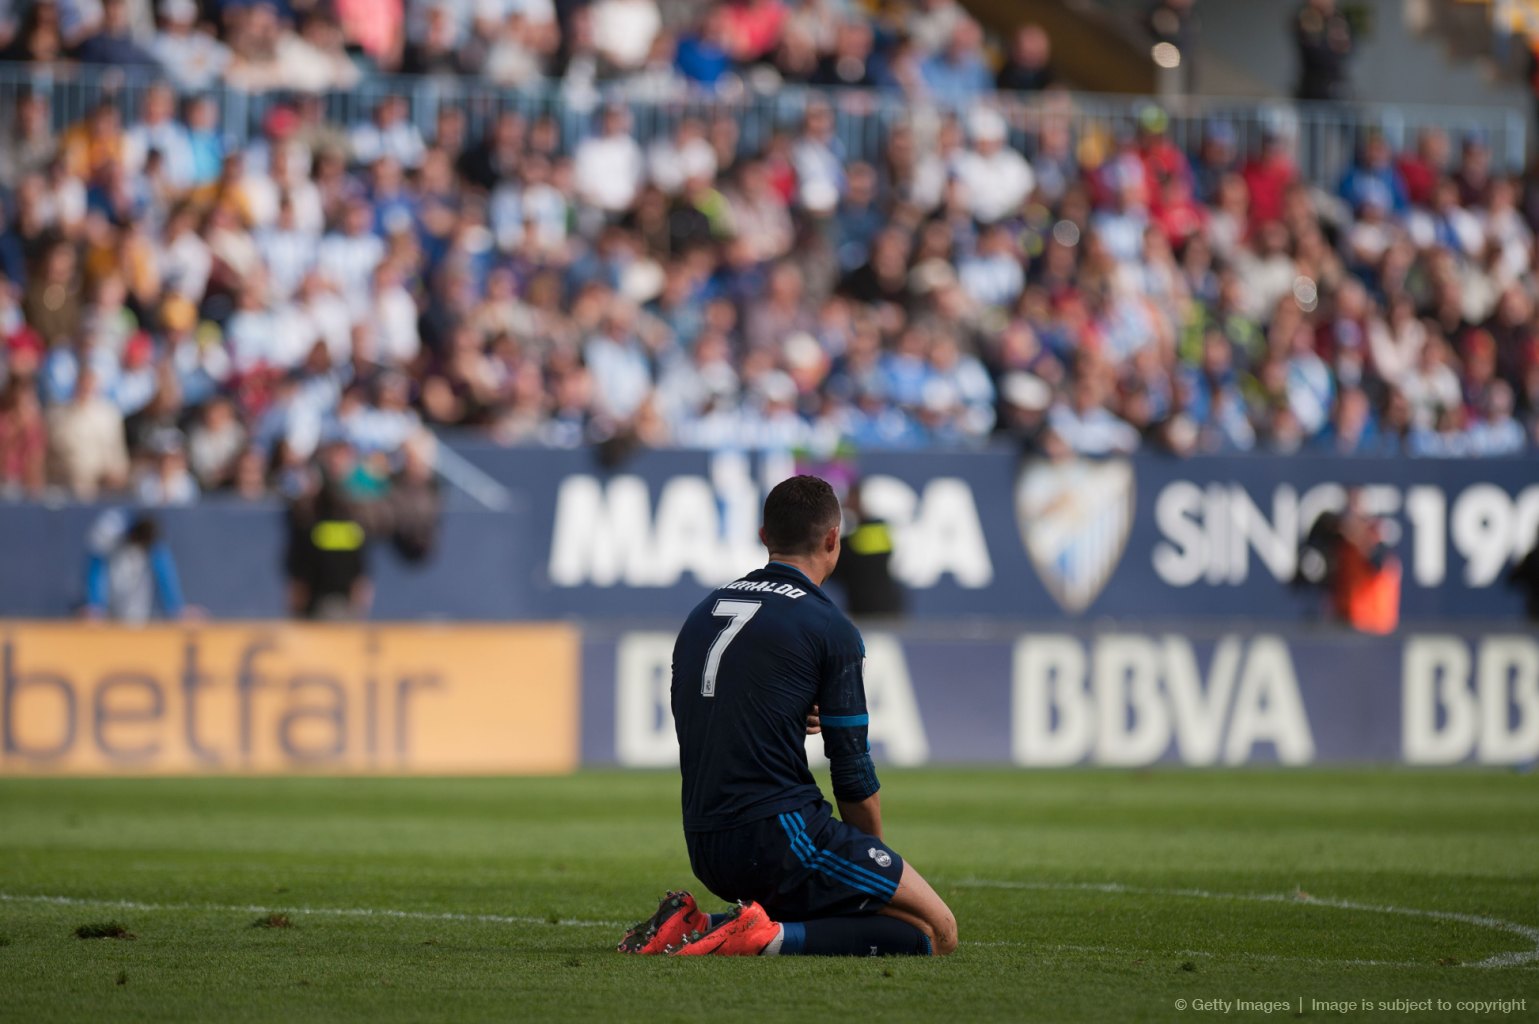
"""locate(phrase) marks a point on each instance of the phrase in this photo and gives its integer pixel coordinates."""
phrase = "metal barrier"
(1326, 133)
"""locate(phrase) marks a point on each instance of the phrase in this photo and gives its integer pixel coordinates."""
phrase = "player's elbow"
(940, 927)
(943, 933)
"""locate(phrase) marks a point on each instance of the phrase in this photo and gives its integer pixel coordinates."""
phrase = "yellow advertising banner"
(268, 698)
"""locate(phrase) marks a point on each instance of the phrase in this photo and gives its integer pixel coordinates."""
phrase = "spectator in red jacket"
(1421, 168)
(23, 440)
(1268, 178)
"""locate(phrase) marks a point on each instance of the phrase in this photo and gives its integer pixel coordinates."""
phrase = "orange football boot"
(745, 932)
(677, 917)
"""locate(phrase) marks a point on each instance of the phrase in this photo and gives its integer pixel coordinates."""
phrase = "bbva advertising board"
(1045, 699)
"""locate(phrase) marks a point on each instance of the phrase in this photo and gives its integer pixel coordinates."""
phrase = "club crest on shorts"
(1074, 518)
(882, 857)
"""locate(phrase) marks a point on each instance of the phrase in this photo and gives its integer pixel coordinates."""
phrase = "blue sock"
(717, 919)
(870, 935)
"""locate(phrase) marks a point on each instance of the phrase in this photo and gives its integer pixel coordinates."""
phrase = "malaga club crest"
(1074, 518)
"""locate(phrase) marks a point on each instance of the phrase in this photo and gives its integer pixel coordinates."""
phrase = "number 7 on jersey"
(739, 612)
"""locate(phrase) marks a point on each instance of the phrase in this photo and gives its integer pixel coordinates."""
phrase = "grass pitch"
(1096, 896)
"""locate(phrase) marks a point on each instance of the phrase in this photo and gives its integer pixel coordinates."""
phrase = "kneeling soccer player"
(758, 664)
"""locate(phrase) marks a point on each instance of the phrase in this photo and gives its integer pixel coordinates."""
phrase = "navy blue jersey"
(750, 662)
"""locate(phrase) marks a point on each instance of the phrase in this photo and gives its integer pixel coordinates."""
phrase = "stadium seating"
(265, 228)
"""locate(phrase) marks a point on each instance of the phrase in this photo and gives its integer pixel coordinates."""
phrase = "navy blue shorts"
(801, 865)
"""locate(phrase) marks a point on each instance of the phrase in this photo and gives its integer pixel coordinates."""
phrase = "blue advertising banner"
(977, 535)
(988, 535)
(1126, 698)
(229, 557)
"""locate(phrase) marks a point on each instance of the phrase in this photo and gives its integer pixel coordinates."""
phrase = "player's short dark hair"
(797, 513)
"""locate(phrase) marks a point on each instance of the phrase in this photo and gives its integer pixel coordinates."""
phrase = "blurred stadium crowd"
(927, 47)
(187, 311)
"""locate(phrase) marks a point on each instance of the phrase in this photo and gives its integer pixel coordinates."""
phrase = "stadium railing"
(1326, 133)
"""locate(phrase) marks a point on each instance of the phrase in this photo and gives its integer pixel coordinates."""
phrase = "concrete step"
(1092, 48)
(1465, 32)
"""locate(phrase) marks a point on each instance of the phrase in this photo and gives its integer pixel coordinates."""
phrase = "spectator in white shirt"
(294, 336)
(1311, 389)
(688, 154)
(194, 60)
(1507, 232)
(235, 252)
(387, 425)
(158, 130)
(929, 166)
(166, 479)
(252, 333)
(619, 363)
(1266, 269)
(1496, 432)
(997, 178)
(608, 166)
(326, 316)
(421, 14)
(349, 256)
(818, 157)
(389, 133)
(215, 443)
(1122, 228)
(1372, 232)
(1447, 225)
(931, 23)
(87, 452)
(1088, 427)
(1432, 387)
(542, 205)
(623, 31)
(291, 420)
(283, 179)
(759, 213)
(993, 276)
(962, 377)
(185, 259)
(393, 318)
(1396, 342)
(690, 385)
(288, 253)
(281, 131)
(775, 424)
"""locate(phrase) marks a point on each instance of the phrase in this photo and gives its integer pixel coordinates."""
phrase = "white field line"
(1198, 954)
(408, 915)
(1513, 959)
